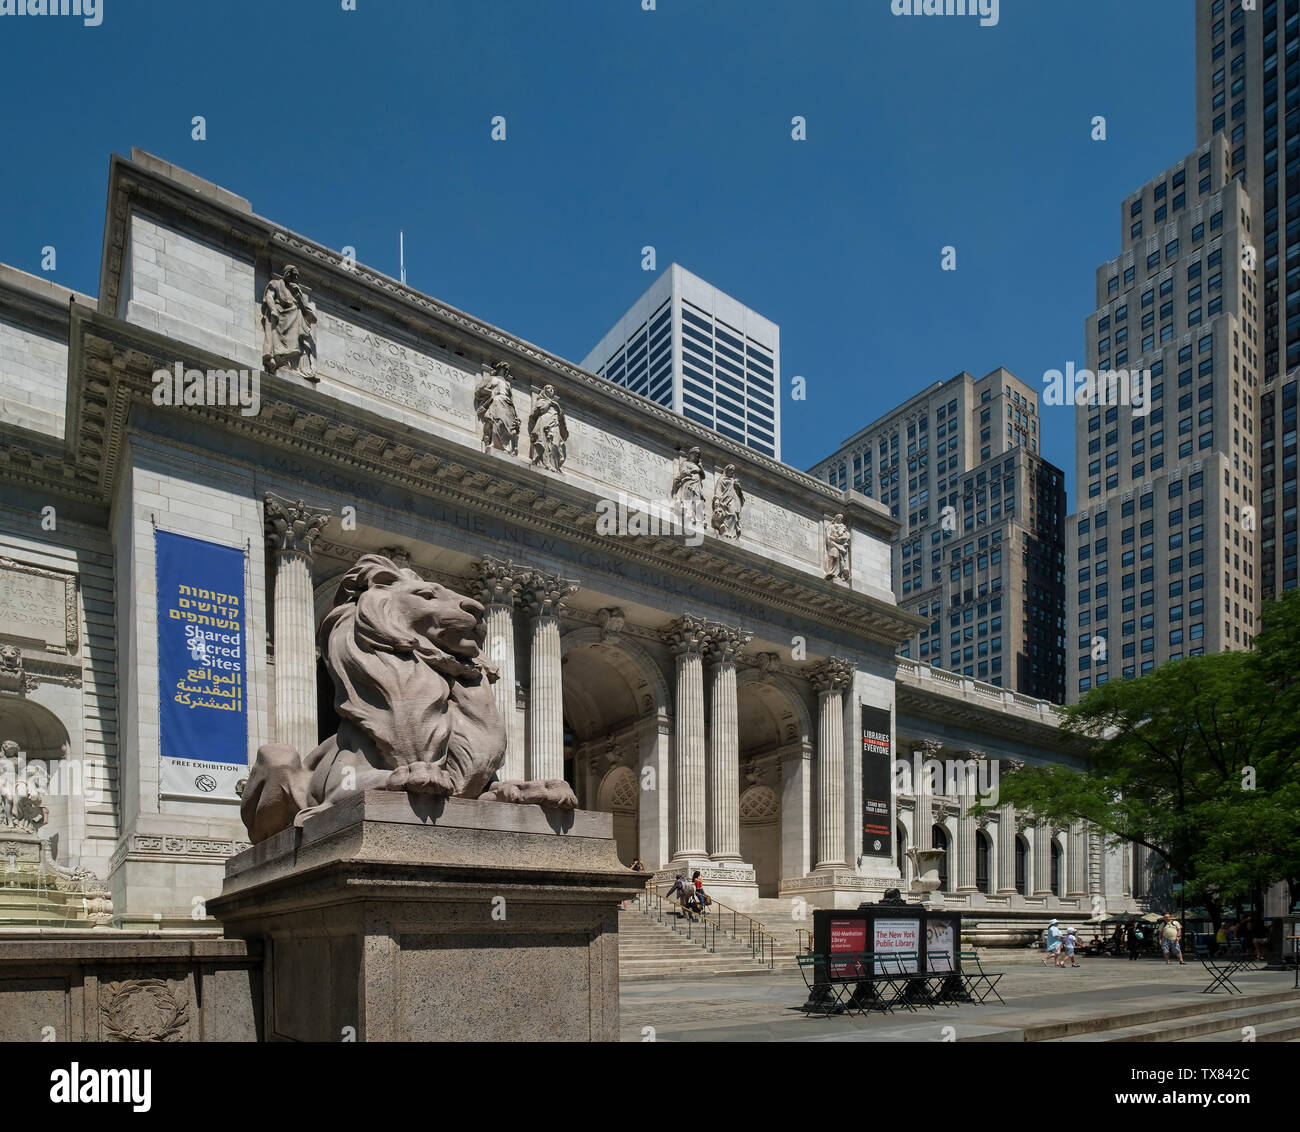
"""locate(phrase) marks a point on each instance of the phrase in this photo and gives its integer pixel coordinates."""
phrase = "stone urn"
(925, 869)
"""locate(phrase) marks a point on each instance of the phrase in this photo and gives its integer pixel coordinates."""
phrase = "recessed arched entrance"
(776, 827)
(618, 796)
(615, 699)
(760, 836)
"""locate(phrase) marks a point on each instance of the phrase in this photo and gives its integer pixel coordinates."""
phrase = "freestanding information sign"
(891, 939)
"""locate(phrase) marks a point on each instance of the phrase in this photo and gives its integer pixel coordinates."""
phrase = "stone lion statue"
(414, 699)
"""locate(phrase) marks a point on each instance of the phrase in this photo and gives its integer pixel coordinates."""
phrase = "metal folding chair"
(982, 984)
(823, 997)
(1220, 973)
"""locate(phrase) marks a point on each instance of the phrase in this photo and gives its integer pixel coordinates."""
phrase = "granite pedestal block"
(391, 917)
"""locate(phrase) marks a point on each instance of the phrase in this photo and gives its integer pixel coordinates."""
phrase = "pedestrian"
(1259, 938)
(637, 867)
(1171, 934)
(1133, 937)
(1071, 939)
(1053, 943)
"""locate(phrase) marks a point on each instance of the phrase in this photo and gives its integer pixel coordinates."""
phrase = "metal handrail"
(804, 948)
(762, 943)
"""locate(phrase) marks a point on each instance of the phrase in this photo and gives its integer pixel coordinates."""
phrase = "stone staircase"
(650, 950)
(1273, 1017)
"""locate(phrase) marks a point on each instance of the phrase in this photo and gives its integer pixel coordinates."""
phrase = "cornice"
(114, 364)
(386, 299)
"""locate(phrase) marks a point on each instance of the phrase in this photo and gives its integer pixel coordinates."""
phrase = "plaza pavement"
(766, 1008)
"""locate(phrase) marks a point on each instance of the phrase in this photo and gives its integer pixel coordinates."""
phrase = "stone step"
(1214, 1022)
(1203, 1010)
(649, 950)
(1279, 1030)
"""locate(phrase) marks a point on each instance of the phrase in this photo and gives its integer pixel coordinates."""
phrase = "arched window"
(1056, 867)
(940, 836)
(1022, 859)
(983, 855)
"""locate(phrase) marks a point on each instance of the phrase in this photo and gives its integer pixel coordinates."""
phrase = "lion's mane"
(395, 686)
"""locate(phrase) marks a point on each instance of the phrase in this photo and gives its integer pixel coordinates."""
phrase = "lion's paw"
(553, 792)
(502, 792)
(422, 778)
(558, 793)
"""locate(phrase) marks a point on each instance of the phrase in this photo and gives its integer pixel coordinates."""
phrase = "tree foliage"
(1199, 761)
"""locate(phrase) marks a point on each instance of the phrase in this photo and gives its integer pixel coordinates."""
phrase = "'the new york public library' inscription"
(397, 373)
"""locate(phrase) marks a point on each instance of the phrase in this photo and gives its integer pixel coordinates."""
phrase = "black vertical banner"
(877, 780)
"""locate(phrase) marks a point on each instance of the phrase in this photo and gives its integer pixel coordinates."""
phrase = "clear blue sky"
(626, 128)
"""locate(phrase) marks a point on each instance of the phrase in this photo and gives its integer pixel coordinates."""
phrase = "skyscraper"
(1162, 550)
(1248, 89)
(698, 352)
(981, 548)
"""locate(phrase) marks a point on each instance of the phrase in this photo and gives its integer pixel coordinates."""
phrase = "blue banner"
(202, 667)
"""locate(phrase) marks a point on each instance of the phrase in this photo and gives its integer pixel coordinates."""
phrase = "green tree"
(1199, 761)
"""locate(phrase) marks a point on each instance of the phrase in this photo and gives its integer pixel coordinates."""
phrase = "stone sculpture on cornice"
(728, 499)
(837, 550)
(288, 326)
(688, 485)
(548, 431)
(494, 402)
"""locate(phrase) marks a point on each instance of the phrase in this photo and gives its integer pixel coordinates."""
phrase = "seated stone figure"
(415, 705)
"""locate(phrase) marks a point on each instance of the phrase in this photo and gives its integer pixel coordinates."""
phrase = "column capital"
(688, 635)
(499, 583)
(832, 675)
(292, 526)
(544, 593)
(723, 642)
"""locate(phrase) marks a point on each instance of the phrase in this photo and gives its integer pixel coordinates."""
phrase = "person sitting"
(1095, 946)
(701, 900)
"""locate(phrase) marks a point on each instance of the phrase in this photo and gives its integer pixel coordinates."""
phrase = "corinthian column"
(1006, 848)
(544, 595)
(724, 744)
(687, 637)
(830, 678)
(923, 811)
(291, 529)
(499, 585)
(965, 845)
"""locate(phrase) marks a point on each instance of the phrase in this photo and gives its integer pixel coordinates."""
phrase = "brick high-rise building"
(981, 548)
(1248, 91)
(1162, 551)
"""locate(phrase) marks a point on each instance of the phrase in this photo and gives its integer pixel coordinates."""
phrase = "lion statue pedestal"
(401, 891)
(392, 916)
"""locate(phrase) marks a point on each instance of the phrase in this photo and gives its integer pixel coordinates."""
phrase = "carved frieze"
(144, 1010)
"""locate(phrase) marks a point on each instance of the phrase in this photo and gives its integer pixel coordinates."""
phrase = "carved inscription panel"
(394, 371)
(38, 605)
